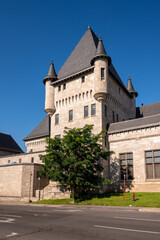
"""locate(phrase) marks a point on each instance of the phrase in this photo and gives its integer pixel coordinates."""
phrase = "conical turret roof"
(100, 52)
(100, 48)
(130, 87)
(51, 73)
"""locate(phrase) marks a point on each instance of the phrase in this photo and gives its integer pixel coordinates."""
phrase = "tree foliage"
(75, 160)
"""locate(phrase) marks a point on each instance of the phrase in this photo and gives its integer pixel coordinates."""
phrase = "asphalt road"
(67, 223)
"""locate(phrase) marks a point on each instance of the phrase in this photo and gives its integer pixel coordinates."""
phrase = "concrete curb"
(136, 209)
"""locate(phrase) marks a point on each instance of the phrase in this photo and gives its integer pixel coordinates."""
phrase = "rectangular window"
(64, 86)
(113, 116)
(59, 88)
(93, 109)
(86, 111)
(58, 136)
(20, 160)
(102, 73)
(117, 117)
(126, 165)
(83, 79)
(152, 159)
(32, 160)
(105, 110)
(56, 119)
(71, 115)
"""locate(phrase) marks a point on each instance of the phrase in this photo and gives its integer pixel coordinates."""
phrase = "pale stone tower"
(101, 62)
(49, 90)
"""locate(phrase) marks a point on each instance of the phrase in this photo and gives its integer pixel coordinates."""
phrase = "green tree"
(75, 160)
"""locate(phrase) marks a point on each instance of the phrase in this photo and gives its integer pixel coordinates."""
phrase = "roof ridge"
(138, 119)
(148, 104)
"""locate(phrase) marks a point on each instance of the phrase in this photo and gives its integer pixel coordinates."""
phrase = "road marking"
(12, 234)
(10, 215)
(6, 220)
(127, 229)
(56, 210)
(139, 219)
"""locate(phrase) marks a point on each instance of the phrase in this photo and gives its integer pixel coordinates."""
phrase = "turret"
(101, 62)
(49, 90)
(130, 88)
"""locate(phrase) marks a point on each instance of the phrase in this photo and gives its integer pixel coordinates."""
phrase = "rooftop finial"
(89, 26)
(52, 60)
(129, 77)
(100, 38)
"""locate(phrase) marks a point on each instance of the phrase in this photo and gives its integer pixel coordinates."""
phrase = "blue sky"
(35, 31)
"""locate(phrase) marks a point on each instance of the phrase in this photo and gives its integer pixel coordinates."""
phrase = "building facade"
(88, 90)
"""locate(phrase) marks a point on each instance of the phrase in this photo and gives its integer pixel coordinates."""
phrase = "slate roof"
(42, 130)
(133, 124)
(148, 110)
(51, 73)
(80, 58)
(7, 143)
(130, 87)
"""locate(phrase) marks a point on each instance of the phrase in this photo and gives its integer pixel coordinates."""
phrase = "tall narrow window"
(83, 79)
(152, 159)
(113, 116)
(117, 117)
(93, 109)
(71, 115)
(59, 88)
(32, 160)
(126, 165)
(56, 119)
(105, 110)
(64, 86)
(102, 73)
(86, 111)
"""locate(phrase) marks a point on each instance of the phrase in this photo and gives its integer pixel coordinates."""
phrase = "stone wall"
(21, 158)
(137, 142)
(75, 97)
(35, 145)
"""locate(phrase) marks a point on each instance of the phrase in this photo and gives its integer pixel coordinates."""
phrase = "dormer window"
(102, 73)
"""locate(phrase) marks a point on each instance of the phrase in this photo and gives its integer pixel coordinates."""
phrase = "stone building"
(88, 90)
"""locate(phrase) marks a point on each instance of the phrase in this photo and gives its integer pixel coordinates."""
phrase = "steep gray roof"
(7, 143)
(137, 123)
(81, 56)
(148, 110)
(114, 73)
(42, 130)
(84, 52)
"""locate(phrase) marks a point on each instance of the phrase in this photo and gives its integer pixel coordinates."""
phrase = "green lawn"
(114, 199)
